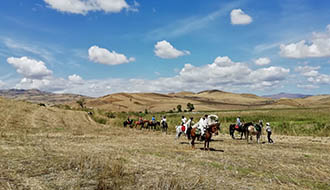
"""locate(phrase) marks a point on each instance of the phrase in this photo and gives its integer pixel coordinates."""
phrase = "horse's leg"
(193, 142)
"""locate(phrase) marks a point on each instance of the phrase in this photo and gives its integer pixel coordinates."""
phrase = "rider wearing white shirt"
(183, 120)
(203, 123)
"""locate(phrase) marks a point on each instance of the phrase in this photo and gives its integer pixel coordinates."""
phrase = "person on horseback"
(238, 122)
(203, 124)
(269, 133)
(153, 119)
(189, 124)
(183, 120)
(129, 121)
(140, 120)
(163, 120)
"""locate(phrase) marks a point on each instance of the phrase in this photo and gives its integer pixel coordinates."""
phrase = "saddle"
(257, 128)
(183, 128)
(236, 126)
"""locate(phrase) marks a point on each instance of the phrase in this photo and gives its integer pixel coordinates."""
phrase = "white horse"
(182, 129)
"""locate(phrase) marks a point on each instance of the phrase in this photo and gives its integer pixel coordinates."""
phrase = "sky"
(100, 47)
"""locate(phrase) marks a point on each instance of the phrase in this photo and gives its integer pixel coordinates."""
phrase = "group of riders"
(201, 126)
(258, 127)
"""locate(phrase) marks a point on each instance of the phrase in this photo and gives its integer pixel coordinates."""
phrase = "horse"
(213, 128)
(140, 123)
(254, 130)
(128, 123)
(153, 125)
(240, 128)
(186, 128)
(164, 126)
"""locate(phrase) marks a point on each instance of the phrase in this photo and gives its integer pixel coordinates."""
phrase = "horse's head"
(215, 127)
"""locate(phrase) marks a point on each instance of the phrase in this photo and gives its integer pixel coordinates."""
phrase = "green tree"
(179, 108)
(81, 102)
(190, 107)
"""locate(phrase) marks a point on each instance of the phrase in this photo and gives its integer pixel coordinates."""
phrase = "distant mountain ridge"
(37, 96)
(286, 95)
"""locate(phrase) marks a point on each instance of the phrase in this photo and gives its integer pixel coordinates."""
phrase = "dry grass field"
(52, 148)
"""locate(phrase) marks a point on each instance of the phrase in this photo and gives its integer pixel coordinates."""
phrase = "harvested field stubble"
(38, 151)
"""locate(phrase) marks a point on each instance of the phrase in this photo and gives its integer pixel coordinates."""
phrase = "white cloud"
(307, 71)
(262, 61)
(319, 79)
(84, 6)
(318, 46)
(223, 74)
(238, 17)
(30, 68)
(104, 56)
(75, 78)
(313, 75)
(165, 50)
(2, 84)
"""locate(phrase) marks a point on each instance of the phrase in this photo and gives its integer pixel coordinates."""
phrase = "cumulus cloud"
(75, 78)
(317, 46)
(262, 61)
(313, 76)
(104, 56)
(223, 74)
(238, 17)
(308, 71)
(30, 68)
(84, 6)
(165, 50)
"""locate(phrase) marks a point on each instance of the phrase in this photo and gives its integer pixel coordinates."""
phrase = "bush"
(110, 115)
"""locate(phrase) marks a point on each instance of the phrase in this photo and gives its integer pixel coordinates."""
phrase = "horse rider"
(269, 133)
(140, 120)
(128, 120)
(238, 121)
(163, 120)
(153, 119)
(183, 120)
(203, 124)
(189, 124)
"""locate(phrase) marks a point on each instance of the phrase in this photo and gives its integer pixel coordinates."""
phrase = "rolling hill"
(37, 96)
(208, 100)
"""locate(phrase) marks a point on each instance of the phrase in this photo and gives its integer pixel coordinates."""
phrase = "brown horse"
(140, 123)
(254, 130)
(213, 128)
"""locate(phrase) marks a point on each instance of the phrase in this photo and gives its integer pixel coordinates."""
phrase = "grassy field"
(293, 122)
(52, 148)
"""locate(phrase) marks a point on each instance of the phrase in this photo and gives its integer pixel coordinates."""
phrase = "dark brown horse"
(240, 128)
(153, 125)
(213, 128)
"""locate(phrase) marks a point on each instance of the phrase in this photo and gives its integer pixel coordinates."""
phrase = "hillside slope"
(206, 100)
(21, 116)
(38, 96)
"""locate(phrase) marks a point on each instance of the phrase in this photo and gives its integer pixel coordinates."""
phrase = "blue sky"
(97, 47)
